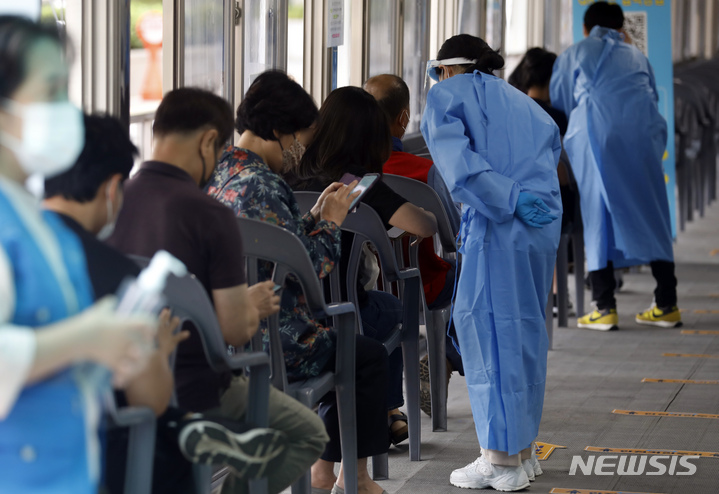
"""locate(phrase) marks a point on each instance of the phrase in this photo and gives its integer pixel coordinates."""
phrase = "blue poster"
(649, 25)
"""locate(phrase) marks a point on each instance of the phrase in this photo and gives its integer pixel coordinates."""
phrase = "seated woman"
(353, 136)
(274, 121)
(48, 405)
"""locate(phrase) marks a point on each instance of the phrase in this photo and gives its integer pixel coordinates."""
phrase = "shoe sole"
(658, 324)
(475, 485)
(248, 453)
(598, 327)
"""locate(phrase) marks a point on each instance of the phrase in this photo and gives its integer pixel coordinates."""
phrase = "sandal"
(401, 434)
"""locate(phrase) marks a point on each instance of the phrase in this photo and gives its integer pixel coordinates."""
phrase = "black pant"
(371, 375)
(665, 294)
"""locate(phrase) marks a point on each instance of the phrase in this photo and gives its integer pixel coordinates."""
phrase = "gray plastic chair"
(265, 242)
(190, 303)
(422, 195)
(141, 443)
(368, 227)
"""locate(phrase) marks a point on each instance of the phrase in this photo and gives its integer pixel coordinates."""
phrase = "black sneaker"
(216, 441)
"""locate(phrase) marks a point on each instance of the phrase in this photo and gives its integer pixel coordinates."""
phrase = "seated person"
(88, 198)
(438, 275)
(353, 136)
(165, 208)
(50, 331)
(275, 122)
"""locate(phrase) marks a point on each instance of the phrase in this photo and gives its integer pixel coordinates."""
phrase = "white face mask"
(109, 228)
(53, 135)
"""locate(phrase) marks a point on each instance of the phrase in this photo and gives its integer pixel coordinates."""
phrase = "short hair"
(189, 109)
(396, 97)
(275, 102)
(17, 37)
(609, 15)
(472, 48)
(534, 70)
(108, 151)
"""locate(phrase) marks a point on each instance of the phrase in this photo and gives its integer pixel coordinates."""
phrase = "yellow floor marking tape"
(629, 451)
(562, 490)
(666, 414)
(699, 331)
(681, 381)
(543, 450)
(689, 355)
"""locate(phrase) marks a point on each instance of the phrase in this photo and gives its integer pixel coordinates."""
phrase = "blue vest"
(48, 442)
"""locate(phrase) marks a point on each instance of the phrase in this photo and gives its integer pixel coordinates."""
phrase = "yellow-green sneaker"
(668, 317)
(601, 320)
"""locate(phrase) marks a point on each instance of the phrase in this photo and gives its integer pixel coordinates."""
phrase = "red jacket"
(432, 267)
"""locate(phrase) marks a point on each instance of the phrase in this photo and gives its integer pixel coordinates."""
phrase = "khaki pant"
(304, 429)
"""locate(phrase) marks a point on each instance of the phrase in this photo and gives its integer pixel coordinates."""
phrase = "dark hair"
(189, 109)
(108, 151)
(473, 48)
(275, 102)
(609, 15)
(535, 69)
(17, 37)
(353, 131)
(396, 98)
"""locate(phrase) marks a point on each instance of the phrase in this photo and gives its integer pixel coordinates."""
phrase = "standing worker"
(615, 141)
(498, 151)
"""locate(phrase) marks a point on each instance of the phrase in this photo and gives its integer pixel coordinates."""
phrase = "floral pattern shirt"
(246, 184)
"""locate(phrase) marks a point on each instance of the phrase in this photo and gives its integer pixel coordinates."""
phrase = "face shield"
(433, 65)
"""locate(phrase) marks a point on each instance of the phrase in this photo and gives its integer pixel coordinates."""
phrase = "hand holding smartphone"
(364, 185)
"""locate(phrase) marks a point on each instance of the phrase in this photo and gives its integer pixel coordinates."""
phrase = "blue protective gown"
(49, 441)
(489, 142)
(615, 142)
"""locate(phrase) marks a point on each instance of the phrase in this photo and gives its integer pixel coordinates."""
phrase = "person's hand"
(122, 343)
(337, 204)
(263, 297)
(167, 339)
(533, 211)
(317, 208)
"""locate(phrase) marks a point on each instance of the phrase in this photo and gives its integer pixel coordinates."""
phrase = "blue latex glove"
(533, 211)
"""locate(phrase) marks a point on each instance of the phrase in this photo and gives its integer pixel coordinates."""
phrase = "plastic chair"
(190, 303)
(265, 242)
(422, 195)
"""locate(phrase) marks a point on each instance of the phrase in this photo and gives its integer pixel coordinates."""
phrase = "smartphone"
(277, 288)
(363, 186)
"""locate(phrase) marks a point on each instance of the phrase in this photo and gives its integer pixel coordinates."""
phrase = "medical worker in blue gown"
(615, 142)
(48, 409)
(498, 150)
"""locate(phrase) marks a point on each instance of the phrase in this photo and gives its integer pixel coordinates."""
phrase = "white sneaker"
(529, 469)
(481, 474)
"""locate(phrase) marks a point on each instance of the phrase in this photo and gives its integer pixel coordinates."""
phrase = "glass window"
(344, 59)
(262, 38)
(381, 36)
(415, 57)
(296, 39)
(204, 36)
(470, 17)
(516, 34)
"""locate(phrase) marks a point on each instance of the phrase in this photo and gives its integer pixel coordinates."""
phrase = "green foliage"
(296, 10)
(137, 8)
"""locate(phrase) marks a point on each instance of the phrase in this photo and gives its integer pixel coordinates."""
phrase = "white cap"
(153, 278)
(22, 8)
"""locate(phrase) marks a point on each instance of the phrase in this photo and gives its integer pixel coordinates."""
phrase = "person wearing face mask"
(164, 208)
(275, 121)
(88, 199)
(48, 326)
(497, 151)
